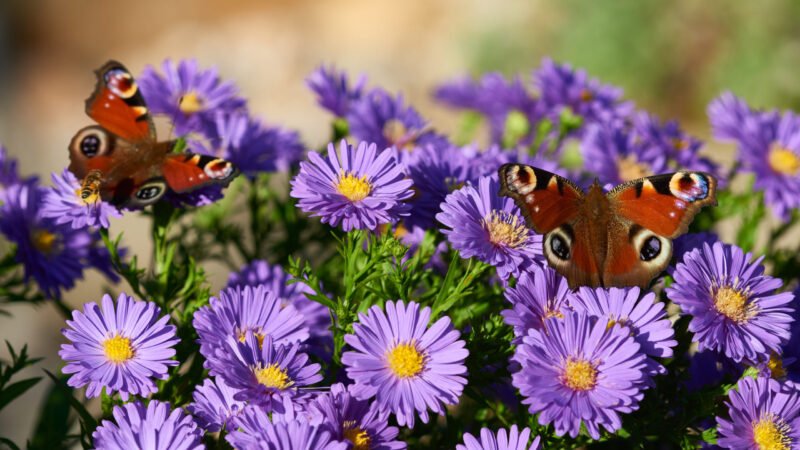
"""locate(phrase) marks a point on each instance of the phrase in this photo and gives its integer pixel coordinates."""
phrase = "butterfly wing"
(118, 106)
(645, 215)
(545, 199)
(664, 204)
(185, 172)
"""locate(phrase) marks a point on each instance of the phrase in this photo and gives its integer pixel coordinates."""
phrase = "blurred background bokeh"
(670, 57)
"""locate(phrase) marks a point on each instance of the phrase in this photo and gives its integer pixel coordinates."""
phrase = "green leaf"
(86, 418)
(54, 420)
(14, 390)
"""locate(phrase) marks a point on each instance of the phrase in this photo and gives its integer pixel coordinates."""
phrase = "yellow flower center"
(771, 433)
(398, 135)
(505, 229)
(586, 95)
(354, 434)
(260, 337)
(680, 144)
(44, 241)
(118, 349)
(630, 169)
(783, 161)
(190, 103)
(355, 189)
(775, 366)
(552, 312)
(405, 360)
(579, 375)
(400, 231)
(273, 376)
(733, 304)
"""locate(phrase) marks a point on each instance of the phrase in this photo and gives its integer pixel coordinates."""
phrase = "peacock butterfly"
(620, 238)
(120, 160)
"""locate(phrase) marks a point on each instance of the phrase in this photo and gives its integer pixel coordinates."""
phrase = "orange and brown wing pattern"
(118, 106)
(664, 204)
(185, 172)
(546, 199)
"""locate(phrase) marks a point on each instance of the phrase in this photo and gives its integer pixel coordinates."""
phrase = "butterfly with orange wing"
(120, 160)
(620, 238)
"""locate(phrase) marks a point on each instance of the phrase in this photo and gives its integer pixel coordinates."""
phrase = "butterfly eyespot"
(91, 142)
(559, 247)
(150, 192)
(121, 83)
(650, 249)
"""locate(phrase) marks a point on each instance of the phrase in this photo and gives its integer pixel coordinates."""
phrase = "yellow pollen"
(400, 231)
(258, 336)
(579, 375)
(505, 229)
(354, 434)
(44, 241)
(405, 360)
(273, 377)
(553, 313)
(118, 349)
(784, 161)
(630, 169)
(733, 304)
(775, 366)
(355, 189)
(586, 95)
(771, 433)
(680, 144)
(190, 103)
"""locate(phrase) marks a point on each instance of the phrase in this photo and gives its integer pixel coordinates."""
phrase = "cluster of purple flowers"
(582, 359)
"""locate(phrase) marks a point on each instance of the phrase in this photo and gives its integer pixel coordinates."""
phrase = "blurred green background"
(670, 57)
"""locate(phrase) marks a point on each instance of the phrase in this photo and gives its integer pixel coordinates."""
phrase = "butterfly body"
(620, 238)
(121, 156)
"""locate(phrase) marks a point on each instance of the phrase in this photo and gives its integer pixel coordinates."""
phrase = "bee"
(89, 192)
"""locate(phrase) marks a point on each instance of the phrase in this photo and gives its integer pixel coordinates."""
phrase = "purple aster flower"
(53, 255)
(388, 122)
(413, 238)
(733, 305)
(769, 146)
(690, 241)
(64, 204)
(644, 316)
(239, 310)
(484, 163)
(333, 89)
(560, 86)
(355, 421)
(435, 173)
(513, 439)
(490, 228)
(189, 96)
(199, 197)
(614, 154)
(214, 406)
(763, 414)
(257, 432)
(263, 373)
(540, 293)
(148, 427)
(682, 149)
(785, 365)
(120, 347)
(8, 170)
(253, 147)
(360, 188)
(497, 99)
(580, 371)
(316, 316)
(406, 365)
